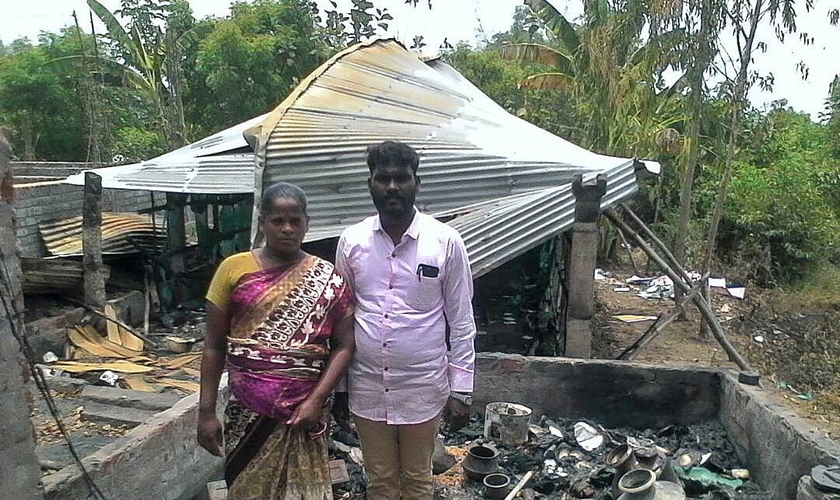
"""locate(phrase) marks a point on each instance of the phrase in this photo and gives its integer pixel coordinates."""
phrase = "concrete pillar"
(176, 242)
(18, 463)
(583, 258)
(94, 277)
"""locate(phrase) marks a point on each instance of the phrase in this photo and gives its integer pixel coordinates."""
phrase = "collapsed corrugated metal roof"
(122, 233)
(472, 152)
(220, 164)
(507, 180)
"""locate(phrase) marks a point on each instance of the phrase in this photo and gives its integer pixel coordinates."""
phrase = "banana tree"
(147, 64)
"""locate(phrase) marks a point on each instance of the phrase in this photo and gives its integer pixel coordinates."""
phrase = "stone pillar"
(17, 437)
(176, 243)
(584, 254)
(94, 277)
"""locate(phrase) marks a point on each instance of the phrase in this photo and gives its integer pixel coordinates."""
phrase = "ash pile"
(505, 455)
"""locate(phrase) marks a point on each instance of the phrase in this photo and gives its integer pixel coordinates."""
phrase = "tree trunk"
(175, 103)
(739, 97)
(687, 189)
(28, 137)
(702, 61)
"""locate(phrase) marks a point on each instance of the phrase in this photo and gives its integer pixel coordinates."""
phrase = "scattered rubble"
(568, 459)
(110, 381)
(662, 287)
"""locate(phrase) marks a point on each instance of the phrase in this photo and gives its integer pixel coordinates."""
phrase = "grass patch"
(818, 291)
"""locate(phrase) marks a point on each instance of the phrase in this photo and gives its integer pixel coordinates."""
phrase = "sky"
(473, 20)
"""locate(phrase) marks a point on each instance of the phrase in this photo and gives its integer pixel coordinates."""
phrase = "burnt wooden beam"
(176, 242)
(661, 323)
(94, 276)
(702, 305)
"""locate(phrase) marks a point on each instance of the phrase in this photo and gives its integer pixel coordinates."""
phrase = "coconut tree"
(615, 78)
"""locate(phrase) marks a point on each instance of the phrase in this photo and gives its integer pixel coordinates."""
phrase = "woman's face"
(284, 226)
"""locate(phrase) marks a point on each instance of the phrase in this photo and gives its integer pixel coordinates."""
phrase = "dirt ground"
(797, 353)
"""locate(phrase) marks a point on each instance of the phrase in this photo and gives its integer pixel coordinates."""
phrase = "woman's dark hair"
(282, 190)
(392, 153)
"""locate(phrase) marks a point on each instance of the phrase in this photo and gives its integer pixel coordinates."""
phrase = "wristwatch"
(463, 397)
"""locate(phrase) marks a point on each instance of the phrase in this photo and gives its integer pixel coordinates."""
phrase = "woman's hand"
(306, 415)
(210, 433)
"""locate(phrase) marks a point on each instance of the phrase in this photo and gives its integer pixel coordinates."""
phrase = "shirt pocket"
(424, 294)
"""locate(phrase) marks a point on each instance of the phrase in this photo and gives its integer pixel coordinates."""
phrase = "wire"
(12, 310)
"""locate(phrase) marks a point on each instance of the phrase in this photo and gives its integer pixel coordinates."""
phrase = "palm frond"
(539, 54)
(548, 81)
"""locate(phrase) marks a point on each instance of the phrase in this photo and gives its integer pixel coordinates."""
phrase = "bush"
(782, 214)
(132, 144)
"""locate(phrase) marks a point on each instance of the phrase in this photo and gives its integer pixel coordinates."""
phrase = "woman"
(284, 321)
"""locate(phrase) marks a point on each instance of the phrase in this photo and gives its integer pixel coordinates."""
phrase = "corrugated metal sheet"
(508, 180)
(122, 233)
(511, 178)
(220, 164)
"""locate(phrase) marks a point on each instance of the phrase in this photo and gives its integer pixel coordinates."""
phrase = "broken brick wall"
(159, 459)
(17, 439)
(50, 200)
(778, 446)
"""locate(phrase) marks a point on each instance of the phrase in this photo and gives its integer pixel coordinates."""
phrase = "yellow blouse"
(230, 271)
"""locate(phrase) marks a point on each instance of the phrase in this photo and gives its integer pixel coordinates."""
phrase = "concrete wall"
(46, 201)
(776, 445)
(613, 393)
(18, 463)
(157, 460)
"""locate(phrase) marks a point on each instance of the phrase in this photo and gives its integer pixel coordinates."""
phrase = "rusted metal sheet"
(506, 179)
(53, 276)
(122, 233)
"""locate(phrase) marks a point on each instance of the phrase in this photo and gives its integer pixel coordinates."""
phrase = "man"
(412, 280)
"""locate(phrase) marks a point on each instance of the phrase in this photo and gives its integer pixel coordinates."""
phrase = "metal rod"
(702, 305)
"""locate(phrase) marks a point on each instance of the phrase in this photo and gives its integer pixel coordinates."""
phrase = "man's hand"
(306, 415)
(210, 433)
(341, 410)
(457, 414)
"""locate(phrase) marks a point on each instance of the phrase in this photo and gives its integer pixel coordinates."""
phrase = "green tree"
(41, 102)
(614, 77)
(746, 18)
(249, 62)
(499, 79)
(783, 217)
